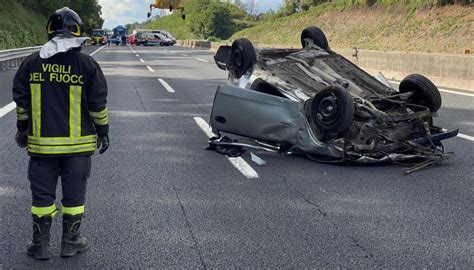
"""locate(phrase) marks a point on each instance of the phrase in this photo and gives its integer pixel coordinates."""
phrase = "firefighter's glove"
(103, 143)
(21, 138)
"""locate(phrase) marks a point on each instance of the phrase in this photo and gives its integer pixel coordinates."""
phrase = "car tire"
(332, 112)
(316, 35)
(242, 57)
(425, 92)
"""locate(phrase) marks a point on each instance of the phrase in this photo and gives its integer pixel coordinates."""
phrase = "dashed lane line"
(467, 137)
(150, 69)
(183, 54)
(238, 162)
(456, 92)
(96, 51)
(6, 109)
(166, 86)
(444, 90)
(141, 60)
(137, 55)
(202, 60)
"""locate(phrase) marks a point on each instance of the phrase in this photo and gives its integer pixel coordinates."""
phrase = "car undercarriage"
(314, 102)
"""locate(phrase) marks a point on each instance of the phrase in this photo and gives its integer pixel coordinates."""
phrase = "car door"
(256, 115)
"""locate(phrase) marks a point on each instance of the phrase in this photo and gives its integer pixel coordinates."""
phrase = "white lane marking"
(467, 137)
(150, 69)
(202, 60)
(238, 162)
(456, 92)
(137, 55)
(96, 51)
(444, 90)
(141, 60)
(183, 54)
(134, 51)
(204, 126)
(166, 86)
(8, 108)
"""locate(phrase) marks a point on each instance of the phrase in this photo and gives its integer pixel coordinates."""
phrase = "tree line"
(89, 10)
(220, 19)
(292, 6)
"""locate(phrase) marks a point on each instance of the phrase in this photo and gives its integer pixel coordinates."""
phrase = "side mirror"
(222, 57)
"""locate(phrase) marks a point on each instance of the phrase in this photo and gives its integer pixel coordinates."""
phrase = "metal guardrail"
(13, 58)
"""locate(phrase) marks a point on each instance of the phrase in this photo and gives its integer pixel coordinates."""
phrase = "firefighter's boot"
(72, 242)
(39, 247)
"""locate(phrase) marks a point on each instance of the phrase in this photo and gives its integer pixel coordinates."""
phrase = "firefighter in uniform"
(61, 97)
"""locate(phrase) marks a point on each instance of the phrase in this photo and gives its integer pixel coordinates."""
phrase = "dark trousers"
(43, 174)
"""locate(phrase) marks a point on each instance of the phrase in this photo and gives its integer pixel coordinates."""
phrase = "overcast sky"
(117, 12)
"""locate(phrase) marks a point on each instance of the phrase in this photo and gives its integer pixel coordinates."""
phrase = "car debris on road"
(314, 102)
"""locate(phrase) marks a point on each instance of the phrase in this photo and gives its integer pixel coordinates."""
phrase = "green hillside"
(20, 27)
(399, 27)
(173, 24)
(393, 25)
(23, 22)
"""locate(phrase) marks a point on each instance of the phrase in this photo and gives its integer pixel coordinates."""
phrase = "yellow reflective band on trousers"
(44, 211)
(21, 114)
(36, 108)
(75, 97)
(62, 145)
(100, 118)
(77, 210)
(60, 149)
(75, 142)
(58, 141)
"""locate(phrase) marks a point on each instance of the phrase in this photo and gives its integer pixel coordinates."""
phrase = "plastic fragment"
(259, 161)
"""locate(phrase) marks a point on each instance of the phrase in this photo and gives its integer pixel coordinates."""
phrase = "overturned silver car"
(314, 102)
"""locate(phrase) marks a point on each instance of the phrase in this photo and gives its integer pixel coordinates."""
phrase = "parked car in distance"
(170, 37)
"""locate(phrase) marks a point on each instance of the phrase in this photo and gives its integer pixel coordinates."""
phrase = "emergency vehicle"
(98, 36)
(118, 33)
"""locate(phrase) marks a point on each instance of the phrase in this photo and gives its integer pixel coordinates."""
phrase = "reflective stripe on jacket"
(63, 100)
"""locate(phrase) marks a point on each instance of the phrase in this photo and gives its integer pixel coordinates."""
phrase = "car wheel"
(332, 111)
(316, 35)
(243, 57)
(425, 93)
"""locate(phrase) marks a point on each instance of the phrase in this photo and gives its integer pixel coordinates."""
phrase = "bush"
(214, 20)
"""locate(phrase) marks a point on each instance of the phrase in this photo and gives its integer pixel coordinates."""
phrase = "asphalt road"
(158, 199)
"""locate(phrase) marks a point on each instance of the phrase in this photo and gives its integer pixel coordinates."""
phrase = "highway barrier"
(447, 70)
(13, 58)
